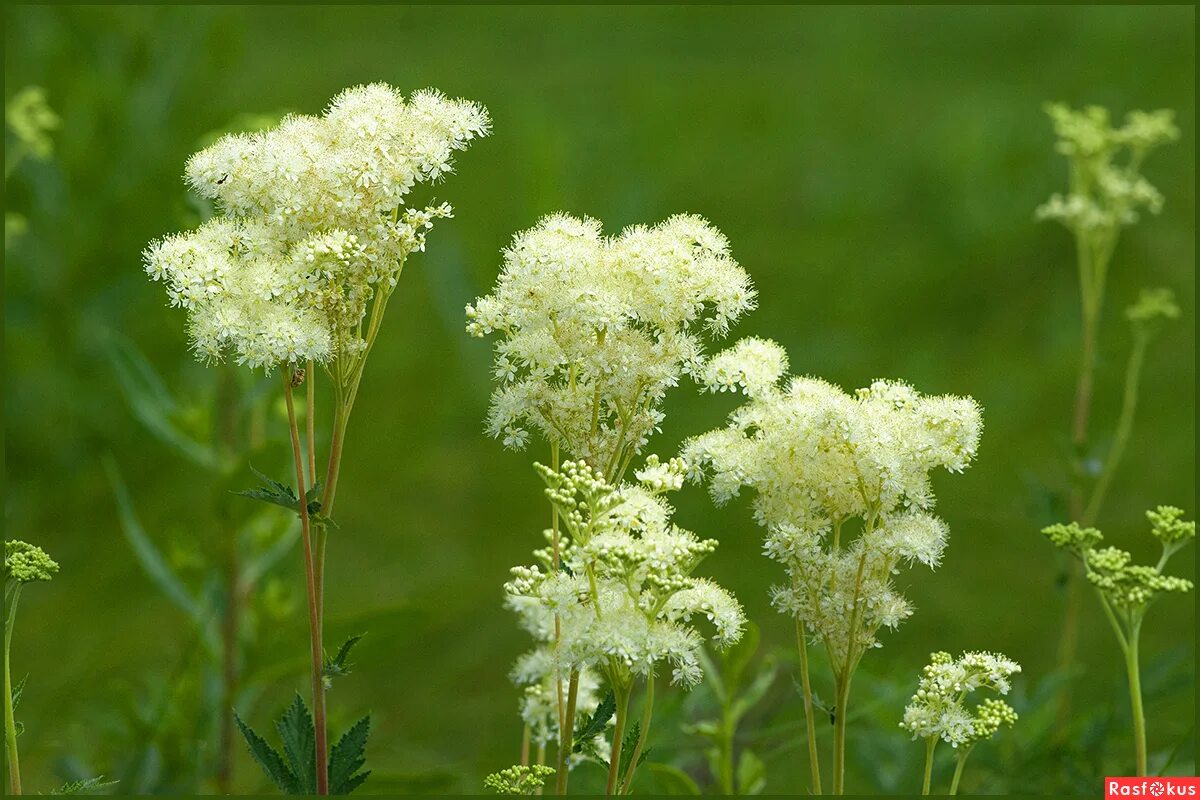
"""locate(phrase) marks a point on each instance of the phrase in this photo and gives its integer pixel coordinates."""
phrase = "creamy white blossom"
(595, 329)
(841, 483)
(625, 597)
(939, 709)
(312, 225)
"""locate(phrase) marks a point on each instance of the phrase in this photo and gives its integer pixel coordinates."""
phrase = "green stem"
(614, 762)
(642, 733)
(961, 758)
(814, 760)
(1135, 699)
(839, 734)
(10, 722)
(566, 734)
(1133, 374)
(930, 744)
(314, 615)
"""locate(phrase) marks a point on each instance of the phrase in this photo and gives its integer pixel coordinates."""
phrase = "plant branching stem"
(567, 735)
(1129, 401)
(314, 617)
(10, 722)
(961, 759)
(1133, 670)
(810, 727)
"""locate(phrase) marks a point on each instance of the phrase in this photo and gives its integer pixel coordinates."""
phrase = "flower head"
(939, 708)
(312, 225)
(625, 597)
(595, 329)
(26, 563)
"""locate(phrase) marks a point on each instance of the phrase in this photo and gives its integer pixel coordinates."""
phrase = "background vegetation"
(876, 171)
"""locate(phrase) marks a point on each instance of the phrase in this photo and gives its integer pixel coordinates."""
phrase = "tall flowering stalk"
(297, 269)
(1127, 590)
(1107, 193)
(594, 330)
(842, 486)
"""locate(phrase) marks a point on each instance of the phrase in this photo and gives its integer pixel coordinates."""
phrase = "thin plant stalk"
(839, 735)
(614, 762)
(1129, 401)
(814, 759)
(930, 745)
(1133, 671)
(567, 734)
(10, 722)
(642, 734)
(961, 760)
(314, 621)
(526, 738)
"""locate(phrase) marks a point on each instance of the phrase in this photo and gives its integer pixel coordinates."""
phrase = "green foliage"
(586, 733)
(281, 494)
(338, 666)
(293, 770)
(84, 786)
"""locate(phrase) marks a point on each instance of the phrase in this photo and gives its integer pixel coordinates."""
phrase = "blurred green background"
(876, 171)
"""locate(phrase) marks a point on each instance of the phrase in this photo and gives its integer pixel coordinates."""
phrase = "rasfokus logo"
(1151, 787)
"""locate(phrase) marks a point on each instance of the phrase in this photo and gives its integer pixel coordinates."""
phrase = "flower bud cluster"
(939, 708)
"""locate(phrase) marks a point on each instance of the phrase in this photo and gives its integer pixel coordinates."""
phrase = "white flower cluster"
(1107, 188)
(824, 464)
(624, 596)
(312, 224)
(939, 707)
(595, 329)
(536, 672)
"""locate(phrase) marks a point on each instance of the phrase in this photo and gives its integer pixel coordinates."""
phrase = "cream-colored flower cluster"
(595, 329)
(312, 224)
(826, 465)
(939, 708)
(537, 673)
(1107, 187)
(625, 596)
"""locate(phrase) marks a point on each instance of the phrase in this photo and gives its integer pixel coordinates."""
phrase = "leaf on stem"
(338, 666)
(597, 723)
(348, 757)
(280, 494)
(269, 759)
(84, 786)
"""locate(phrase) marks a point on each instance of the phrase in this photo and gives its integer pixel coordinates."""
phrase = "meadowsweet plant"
(1107, 193)
(25, 563)
(593, 331)
(1127, 590)
(939, 711)
(842, 486)
(519, 780)
(296, 270)
(624, 594)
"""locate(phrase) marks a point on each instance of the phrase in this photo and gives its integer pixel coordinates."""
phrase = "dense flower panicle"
(625, 596)
(1127, 586)
(312, 224)
(1107, 188)
(519, 780)
(26, 563)
(595, 329)
(939, 708)
(822, 463)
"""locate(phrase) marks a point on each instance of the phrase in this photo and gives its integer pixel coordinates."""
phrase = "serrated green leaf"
(84, 786)
(298, 735)
(280, 494)
(597, 722)
(150, 401)
(16, 692)
(347, 757)
(337, 666)
(751, 773)
(269, 759)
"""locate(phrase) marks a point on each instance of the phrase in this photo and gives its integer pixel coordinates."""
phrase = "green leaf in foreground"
(85, 786)
(597, 723)
(348, 757)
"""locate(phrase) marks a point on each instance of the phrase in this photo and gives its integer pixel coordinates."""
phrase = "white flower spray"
(939, 711)
(298, 266)
(842, 486)
(594, 330)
